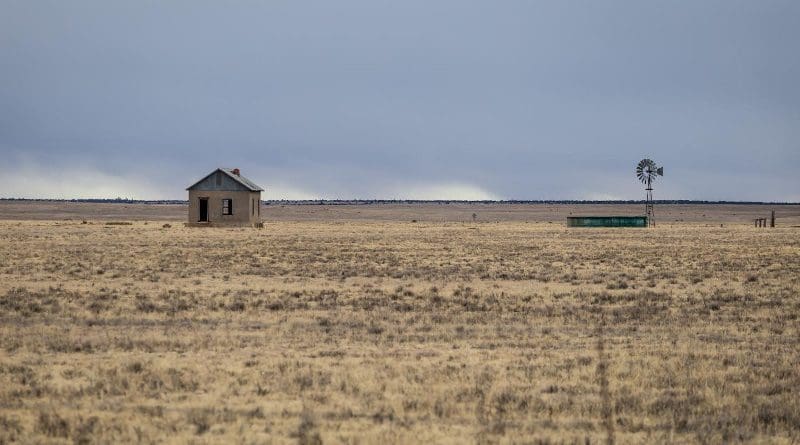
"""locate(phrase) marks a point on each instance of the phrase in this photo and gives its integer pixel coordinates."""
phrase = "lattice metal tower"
(647, 172)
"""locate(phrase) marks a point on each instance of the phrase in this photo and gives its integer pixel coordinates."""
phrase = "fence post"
(772, 219)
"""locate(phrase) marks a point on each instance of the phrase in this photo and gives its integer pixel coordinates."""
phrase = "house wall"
(246, 207)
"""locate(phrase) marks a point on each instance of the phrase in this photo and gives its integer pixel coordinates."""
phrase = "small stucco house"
(224, 198)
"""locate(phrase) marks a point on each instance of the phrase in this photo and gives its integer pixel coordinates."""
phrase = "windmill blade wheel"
(644, 169)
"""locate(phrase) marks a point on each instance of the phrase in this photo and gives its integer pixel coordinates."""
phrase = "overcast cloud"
(401, 99)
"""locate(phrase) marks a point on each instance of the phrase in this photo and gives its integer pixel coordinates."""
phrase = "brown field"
(354, 324)
(788, 215)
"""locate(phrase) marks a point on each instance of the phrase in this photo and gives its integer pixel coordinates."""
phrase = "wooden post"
(772, 219)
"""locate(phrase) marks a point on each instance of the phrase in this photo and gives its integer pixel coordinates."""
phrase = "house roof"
(248, 184)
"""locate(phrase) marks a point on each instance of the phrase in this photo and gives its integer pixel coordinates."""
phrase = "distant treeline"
(507, 201)
(406, 201)
(104, 201)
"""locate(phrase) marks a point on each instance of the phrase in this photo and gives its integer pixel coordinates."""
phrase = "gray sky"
(450, 99)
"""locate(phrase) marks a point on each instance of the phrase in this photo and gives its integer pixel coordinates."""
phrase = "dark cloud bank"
(409, 99)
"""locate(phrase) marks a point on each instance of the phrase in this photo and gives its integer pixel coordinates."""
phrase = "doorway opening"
(203, 210)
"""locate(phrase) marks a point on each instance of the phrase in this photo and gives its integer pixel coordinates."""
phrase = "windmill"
(647, 172)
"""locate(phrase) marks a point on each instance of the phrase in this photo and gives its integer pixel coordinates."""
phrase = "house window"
(227, 207)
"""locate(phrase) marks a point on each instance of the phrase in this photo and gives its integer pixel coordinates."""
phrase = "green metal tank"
(606, 221)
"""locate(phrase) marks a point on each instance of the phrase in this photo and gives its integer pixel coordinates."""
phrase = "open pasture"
(352, 328)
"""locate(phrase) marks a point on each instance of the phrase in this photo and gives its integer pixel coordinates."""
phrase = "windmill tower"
(647, 172)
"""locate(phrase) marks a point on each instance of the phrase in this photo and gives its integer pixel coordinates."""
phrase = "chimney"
(236, 171)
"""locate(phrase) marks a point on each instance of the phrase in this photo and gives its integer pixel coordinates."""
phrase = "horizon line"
(360, 201)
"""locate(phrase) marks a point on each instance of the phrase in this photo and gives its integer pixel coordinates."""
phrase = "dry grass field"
(370, 328)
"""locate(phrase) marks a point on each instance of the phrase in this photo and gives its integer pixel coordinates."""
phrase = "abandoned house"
(225, 198)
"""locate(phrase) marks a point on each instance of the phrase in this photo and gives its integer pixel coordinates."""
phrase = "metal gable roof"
(248, 184)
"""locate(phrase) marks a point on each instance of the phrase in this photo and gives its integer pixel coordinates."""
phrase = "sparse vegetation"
(323, 332)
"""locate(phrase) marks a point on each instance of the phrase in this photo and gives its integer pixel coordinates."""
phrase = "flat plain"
(398, 324)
